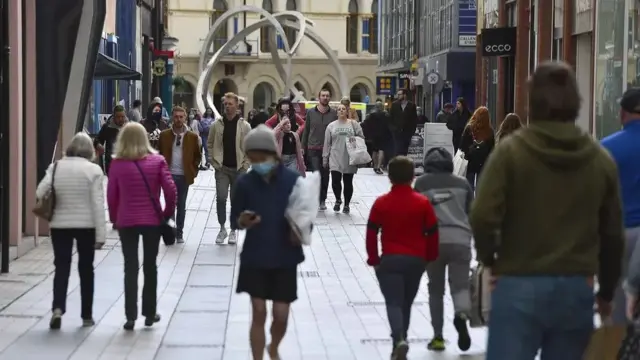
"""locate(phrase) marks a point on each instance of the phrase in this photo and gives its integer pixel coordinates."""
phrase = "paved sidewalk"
(339, 315)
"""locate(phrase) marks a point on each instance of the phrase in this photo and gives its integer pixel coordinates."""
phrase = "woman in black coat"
(376, 134)
(457, 122)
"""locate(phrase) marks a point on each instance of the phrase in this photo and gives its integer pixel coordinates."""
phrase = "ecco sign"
(498, 41)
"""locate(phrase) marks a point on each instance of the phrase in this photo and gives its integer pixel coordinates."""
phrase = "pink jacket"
(274, 121)
(127, 196)
(299, 158)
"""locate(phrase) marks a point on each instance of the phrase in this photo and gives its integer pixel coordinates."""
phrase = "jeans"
(205, 138)
(551, 313)
(454, 259)
(62, 241)
(181, 208)
(129, 237)
(225, 182)
(315, 158)
(290, 161)
(399, 277)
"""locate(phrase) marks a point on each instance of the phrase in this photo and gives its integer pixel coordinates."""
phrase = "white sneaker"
(221, 236)
(233, 238)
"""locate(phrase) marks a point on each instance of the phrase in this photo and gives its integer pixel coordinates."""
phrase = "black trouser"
(150, 243)
(337, 178)
(399, 277)
(181, 206)
(315, 158)
(62, 240)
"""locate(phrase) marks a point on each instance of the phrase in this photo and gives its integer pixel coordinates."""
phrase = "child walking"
(451, 198)
(409, 240)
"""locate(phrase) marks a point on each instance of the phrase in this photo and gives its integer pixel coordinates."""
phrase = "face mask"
(263, 168)
(156, 116)
(191, 117)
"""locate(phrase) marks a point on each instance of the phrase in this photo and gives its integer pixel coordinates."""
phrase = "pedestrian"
(351, 112)
(457, 122)
(181, 149)
(104, 142)
(476, 143)
(548, 217)
(444, 115)
(285, 109)
(316, 121)
(204, 126)
(451, 197)
(138, 174)
(289, 147)
(623, 147)
(404, 120)
(158, 101)
(154, 124)
(422, 118)
(269, 259)
(376, 132)
(135, 113)
(509, 125)
(260, 117)
(224, 143)
(409, 241)
(336, 158)
(77, 184)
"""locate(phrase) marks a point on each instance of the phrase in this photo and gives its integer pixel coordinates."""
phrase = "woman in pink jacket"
(136, 176)
(289, 147)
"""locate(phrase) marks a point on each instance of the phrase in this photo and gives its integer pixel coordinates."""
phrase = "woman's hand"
(248, 219)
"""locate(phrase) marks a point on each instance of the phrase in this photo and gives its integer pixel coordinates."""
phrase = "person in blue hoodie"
(624, 147)
(451, 197)
(270, 254)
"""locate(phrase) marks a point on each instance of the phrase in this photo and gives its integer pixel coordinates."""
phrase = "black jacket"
(260, 118)
(376, 127)
(404, 120)
(457, 121)
(475, 152)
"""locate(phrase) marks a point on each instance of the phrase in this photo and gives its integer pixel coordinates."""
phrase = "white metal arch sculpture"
(299, 23)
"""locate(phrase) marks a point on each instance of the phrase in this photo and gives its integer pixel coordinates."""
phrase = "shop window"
(265, 32)
(352, 28)
(373, 28)
(221, 36)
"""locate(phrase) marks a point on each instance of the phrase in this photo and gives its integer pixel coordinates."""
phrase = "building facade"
(430, 36)
(349, 26)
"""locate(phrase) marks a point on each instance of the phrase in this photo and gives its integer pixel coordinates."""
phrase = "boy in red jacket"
(409, 240)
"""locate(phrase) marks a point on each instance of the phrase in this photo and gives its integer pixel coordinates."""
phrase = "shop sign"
(499, 41)
(466, 40)
(386, 85)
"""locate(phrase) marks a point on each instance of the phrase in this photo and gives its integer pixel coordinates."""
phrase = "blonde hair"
(132, 143)
(231, 95)
(81, 145)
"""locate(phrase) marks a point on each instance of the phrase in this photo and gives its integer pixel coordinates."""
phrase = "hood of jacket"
(438, 160)
(558, 145)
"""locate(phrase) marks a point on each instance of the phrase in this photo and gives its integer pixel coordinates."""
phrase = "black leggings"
(337, 178)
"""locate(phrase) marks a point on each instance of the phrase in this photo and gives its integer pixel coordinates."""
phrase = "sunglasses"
(178, 140)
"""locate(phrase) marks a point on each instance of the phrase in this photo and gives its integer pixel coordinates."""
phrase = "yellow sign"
(385, 83)
(334, 104)
(159, 67)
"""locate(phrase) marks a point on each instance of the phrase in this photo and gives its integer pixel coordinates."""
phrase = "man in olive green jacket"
(546, 219)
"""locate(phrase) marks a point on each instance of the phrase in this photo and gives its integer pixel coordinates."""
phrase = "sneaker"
(400, 351)
(460, 323)
(221, 236)
(436, 344)
(273, 355)
(88, 322)
(378, 171)
(149, 321)
(323, 206)
(180, 238)
(336, 207)
(56, 320)
(346, 209)
(233, 238)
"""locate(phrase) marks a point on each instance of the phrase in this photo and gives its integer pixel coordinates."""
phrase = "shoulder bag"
(45, 207)
(167, 230)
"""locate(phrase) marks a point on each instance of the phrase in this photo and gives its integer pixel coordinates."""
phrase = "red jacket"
(273, 122)
(408, 223)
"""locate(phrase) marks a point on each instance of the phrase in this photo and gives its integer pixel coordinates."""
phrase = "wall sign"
(466, 40)
(499, 41)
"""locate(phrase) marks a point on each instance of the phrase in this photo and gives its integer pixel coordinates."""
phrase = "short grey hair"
(81, 145)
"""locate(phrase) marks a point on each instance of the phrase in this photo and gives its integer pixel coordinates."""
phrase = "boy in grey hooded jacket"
(451, 198)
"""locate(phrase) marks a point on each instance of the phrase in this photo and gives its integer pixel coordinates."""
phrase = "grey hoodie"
(450, 196)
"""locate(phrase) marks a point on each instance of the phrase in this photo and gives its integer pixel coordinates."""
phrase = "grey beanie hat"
(262, 138)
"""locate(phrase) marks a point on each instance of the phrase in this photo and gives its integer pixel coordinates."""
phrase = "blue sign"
(467, 12)
(386, 85)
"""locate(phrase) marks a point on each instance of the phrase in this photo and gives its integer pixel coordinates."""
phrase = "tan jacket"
(214, 144)
(191, 152)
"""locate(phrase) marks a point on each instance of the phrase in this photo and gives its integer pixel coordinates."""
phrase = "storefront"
(499, 44)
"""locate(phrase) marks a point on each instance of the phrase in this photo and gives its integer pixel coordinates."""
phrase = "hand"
(325, 164)
(100, 149)
(632, 301)
(604, 308)
(247, 219)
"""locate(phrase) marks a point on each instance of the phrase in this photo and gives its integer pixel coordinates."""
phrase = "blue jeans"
(315, 160)
(205, 138)
(549, 313)
(181, 208)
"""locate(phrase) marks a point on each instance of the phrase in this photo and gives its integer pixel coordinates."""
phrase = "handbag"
(357, 149)
(480, 289)
(460, 164)
(167, 230)
(46, 205)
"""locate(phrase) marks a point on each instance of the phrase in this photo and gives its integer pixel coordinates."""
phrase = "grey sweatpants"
(618, 315)
(225, 183)
(399, 277)
(457, 259)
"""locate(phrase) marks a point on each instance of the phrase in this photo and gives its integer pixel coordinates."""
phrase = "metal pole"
(4, 140)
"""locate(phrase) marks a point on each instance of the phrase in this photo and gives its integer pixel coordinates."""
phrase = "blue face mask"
(263, 168)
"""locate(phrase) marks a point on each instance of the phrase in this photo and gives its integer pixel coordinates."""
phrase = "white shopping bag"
(357, 150)
(303, 207)
(460, 164)
(480, 289)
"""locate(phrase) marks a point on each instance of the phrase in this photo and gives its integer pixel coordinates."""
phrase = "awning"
(110, 69)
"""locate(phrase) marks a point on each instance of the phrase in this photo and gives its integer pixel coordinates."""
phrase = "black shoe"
(150, 320)
(56, 320)
(336, 207)
(345, 209)
(460, 323)
(378, 171)
(129, 325)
